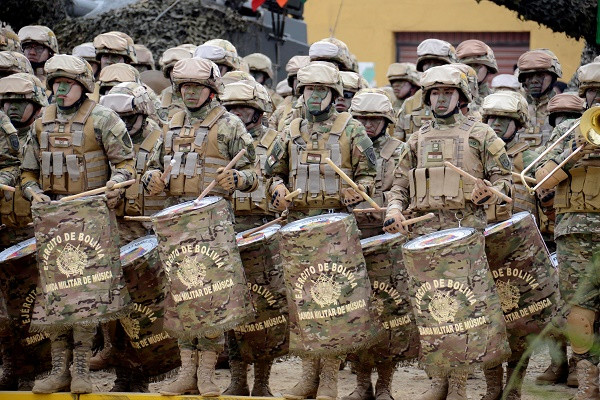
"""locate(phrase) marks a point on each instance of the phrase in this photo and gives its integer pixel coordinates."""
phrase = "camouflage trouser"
(81, 334)
(204, 343)
(579, 269)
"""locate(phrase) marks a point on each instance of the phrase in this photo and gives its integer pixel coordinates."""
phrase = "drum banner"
(455, 304)
(78, 259)
(328, 287)
(206, 286)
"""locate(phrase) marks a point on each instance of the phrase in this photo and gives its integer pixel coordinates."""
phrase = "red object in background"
(282, 3)
(258, 3)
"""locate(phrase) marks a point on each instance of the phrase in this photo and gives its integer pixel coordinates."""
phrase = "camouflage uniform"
(171, 102)
(258, 62)
(475, 53)
(403, 72)
(39, 35)
(283, 112)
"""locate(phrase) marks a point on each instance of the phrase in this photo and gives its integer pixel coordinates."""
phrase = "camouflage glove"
(230, 180)
(278, 198)
(153, 183)
(351, 197)
(482, 194)
(113, 196)
(393, 223)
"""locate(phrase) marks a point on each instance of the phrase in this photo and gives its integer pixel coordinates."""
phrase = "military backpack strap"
(78, 122)
(390, 147)
(517, 148)
(176, 123)
(145, 148)
(167, 99)
(296, 134)
(212, 117)
(48, 119)
(340, 123)
(268, 138)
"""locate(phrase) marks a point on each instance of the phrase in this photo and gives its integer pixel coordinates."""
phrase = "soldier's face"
(504, 127)
(133, 122)
(110, 59)
(194, 95)
(259, 76)
(36, 53)
(443, 100)
(537, 83)
(95, 68)
(402, 89)
(482, 72)
(67, 91)
(432, 63)
(373, 125)
(342, 103)
(18, 111)
(246, 114)
(592, 97)
(317, 98)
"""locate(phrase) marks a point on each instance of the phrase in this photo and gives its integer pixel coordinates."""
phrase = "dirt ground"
(409, 382)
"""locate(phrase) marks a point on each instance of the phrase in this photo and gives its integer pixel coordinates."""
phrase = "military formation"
(167, 217)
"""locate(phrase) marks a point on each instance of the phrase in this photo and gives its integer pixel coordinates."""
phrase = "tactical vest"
(581, 191)
(255, 203)
(15, 209)
(72, 159)
(321, 186)
(434, 186)
(539, 130)
(385, 170)
(287, 110)
(415, 116)
(136, 202)
(197, 157)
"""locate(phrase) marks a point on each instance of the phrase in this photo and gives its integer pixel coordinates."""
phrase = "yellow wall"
(368, 26)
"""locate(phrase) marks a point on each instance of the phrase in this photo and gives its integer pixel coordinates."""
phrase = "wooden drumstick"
(354, 186)
(98, 190)
(214, 182)
(35, 195)
(7, 188)
(165, 175)
(527, 178)
(137, 218)
(368, 210)
(418, 219)
(268, 224)
(472, 178)
(293, 194)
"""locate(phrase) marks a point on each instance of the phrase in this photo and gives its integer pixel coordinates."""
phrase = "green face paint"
(445, 103)
(314, 103)
(63, 90)
(16, 110)
(503, 126)
(193, 96)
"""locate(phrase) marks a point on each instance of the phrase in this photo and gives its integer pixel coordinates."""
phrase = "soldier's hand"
(351, 197)
(278, 198)
(482, 194)
(113, 196)
(393, 223)
(40, 198)
(229, 180)
(153, 183)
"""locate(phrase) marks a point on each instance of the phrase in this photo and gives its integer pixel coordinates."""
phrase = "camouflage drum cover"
(390, 298)
(146, 280)
(458, 312)
(19, 279)
(327, 286)
(267, 336)
(78, 258)
(206, 287)
(526, 280)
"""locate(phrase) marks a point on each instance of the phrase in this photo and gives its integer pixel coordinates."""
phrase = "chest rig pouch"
(385, 170)
(194, 149)
(581, 191)
(434, 186)
(14, 207)
(321, 186)
(72, 160)
(256, 202)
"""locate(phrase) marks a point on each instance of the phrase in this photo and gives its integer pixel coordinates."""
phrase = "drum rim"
(288, 227)
(521, 214)
(212, 199)
(153, 238)
(22, 244)
(389, 236)
(258, 236)
(409, 246)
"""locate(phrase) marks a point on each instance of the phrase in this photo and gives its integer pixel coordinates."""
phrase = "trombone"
(589, 127)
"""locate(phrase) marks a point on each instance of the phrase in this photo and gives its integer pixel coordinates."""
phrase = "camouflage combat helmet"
(354, 59)
(41, 35)
(505, 82)
(539, 60)
(219, 51)
(114, 74)
(506, 104)
(23, 86)
(115, 42)
(247, 93)
(372, 103)
(471, 77)
(568, 103)
(445, 76)
(588, 76)
(236, 76)
(87, 51)
(293, 66)
(144, 56)
(404, 72)
(12, 62)
(283, 89)
(260, 62)
(67, 66)
(474, 51)
(353, 82)
(129, 98)
(171, 56)
(332, 50)
(9, 40)
(197, 70)
(320, 73)
(435, 49)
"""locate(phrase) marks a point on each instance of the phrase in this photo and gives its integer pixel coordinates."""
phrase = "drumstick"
(368, 210)
(214, 182)
(98, 190)
(418, 219)
(354, 186)
(7, 188)
(527, 178)
(471, 177)
(293, 194)
(165, 175)
(268, 224)
(137, 218)
(35, 195)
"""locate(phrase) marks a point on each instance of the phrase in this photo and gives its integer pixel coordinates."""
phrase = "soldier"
(562, 107)
(480, 57)
(283, 89)
(419, 171)
(333, 50)
(107, 148)
(352, 83)
(12, 62)
(372, 108)
(404, 79)
(236, 76)
(261, 68)
(471, 109)
(87, 51)
(430, 53)
(9, 40)
(506, 82)
(283, 113)
(576, 232)
(202, 139)
(145, 59)
(171, 102)
(39, 44)
(114, 47)
(222, 53)
(292, 164)
(22, 97)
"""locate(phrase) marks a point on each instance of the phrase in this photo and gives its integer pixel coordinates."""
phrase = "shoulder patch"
(474, 143)
(370, 154)
(497, 145)
(13, 140)
(504, 161)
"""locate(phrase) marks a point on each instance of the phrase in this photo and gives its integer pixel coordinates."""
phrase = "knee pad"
(580, 329)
